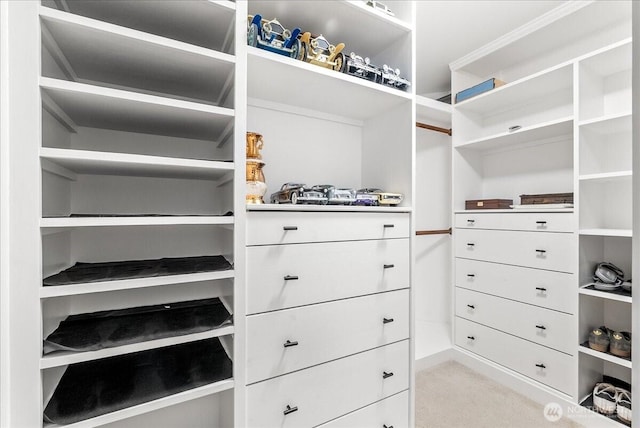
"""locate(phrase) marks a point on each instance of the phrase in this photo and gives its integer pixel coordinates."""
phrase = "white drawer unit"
(283, 276)
(543, 326)
(319, 394)
(553, 290)
(538, 222)
(547, 366)
(390, 412)
(283, 341)
(551, 251)
(265, 228)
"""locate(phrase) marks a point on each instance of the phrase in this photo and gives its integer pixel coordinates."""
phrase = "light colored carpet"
(451, 395)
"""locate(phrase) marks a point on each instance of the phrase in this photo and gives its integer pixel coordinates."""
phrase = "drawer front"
(322, 272)
(553, 290)
(390, 412)
(537, 222)
(330, 390)
(268, 228)
(543, 326)
(283, 341)
(549, 367)
(552, 251)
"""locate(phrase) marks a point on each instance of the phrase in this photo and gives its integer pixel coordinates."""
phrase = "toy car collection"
(296, 193)
(318, 51)
(336, 196)
(362, 67)
(323, 194)
(391, 77)
(380, 6)
(379, 197)
(273, 37)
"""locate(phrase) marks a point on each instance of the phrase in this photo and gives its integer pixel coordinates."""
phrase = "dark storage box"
(548, 198)
(488, 204)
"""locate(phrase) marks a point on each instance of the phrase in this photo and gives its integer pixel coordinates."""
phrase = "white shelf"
(524, 135)
(326, 208)
(341, 22)
(536, 86)
(68, 222)
(516, 211)
(608, 124)
(205, 23)
(605, 356)
(433, 110)
(150, 406)
(130, 284)
(610, 60)
(99, 107)
(106, 163)
(113, 55)
(606, 176)
(604, 295)
(607, 232)
(303, 85)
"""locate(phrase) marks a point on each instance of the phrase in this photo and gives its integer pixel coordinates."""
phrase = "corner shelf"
(434, 110)
(606, 176)
(608, 124)
(605, 356)
(107, 163)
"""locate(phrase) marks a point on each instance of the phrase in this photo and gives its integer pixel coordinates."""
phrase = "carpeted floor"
(451, 395)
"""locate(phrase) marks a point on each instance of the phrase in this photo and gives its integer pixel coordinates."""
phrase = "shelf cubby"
(619, 295)
(605, 201)
(605, 144)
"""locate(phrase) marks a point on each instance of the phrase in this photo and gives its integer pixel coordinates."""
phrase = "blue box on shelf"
(478, 89)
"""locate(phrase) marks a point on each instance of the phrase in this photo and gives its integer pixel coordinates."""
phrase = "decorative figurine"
(391, 77)
(318, 51)
(296, 193)
(335, 195)
(362, 67)
(380, 6)
(273, 37)
(256, 186)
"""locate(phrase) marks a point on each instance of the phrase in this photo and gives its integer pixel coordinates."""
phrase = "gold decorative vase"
(256, 185)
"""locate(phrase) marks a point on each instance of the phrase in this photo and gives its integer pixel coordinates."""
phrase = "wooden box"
(548, 198)
(488, 204)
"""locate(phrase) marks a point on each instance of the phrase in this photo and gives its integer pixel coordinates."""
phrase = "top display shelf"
(207, 24)
(360, 27)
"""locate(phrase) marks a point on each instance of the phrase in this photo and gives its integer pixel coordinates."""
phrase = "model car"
(273, 37)
(383, 198)
(296, 193)
(392, 77)
(380, 6)
(318, 51)
(362, 67)
(335, 195)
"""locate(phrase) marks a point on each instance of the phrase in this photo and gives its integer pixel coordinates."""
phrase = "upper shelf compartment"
(87, 50)
(208, 24)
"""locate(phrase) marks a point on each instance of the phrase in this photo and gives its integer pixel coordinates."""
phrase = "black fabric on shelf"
(130, 269)
(94, 388)
(108, 329)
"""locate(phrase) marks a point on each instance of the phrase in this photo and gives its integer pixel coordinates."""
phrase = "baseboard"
(520, 384)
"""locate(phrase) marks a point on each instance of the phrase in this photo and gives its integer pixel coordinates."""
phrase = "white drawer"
(553, 290)
(329, 390)
(542, 364)
(540, 222)
(325, 271)
(283, 341)
(556, 330)
(390, 412)
(266, 228)
(552, 251)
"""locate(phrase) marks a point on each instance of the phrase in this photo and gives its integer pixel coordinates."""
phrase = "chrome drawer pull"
(387, 320)
(541, 251)
(542, 366)
(291, 277)
(541, 289)
(541, 327)
(471, 338)
(471, 306)
(471, 275)
(389, 225)
(386, 375)
(388, 266)
(290, 409)
(289, 344)
(542, 222)
(290, 228)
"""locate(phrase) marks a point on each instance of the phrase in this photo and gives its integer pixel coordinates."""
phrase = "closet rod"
(434, 232)
(434, 128)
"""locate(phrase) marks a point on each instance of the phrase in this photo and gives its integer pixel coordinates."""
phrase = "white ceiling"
(448, 30)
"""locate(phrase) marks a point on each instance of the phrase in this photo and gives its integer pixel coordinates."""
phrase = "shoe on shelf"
(605, 398)
(600, 338)
(620, 344)
(623, 406)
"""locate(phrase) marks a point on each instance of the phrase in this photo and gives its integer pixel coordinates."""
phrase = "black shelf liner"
(108, 329)
(95, 388)
(588, 401)
(131, 269)
(619, 291)
(586, 345)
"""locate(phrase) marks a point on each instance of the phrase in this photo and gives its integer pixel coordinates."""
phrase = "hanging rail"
(433, 128)
(434, 232)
